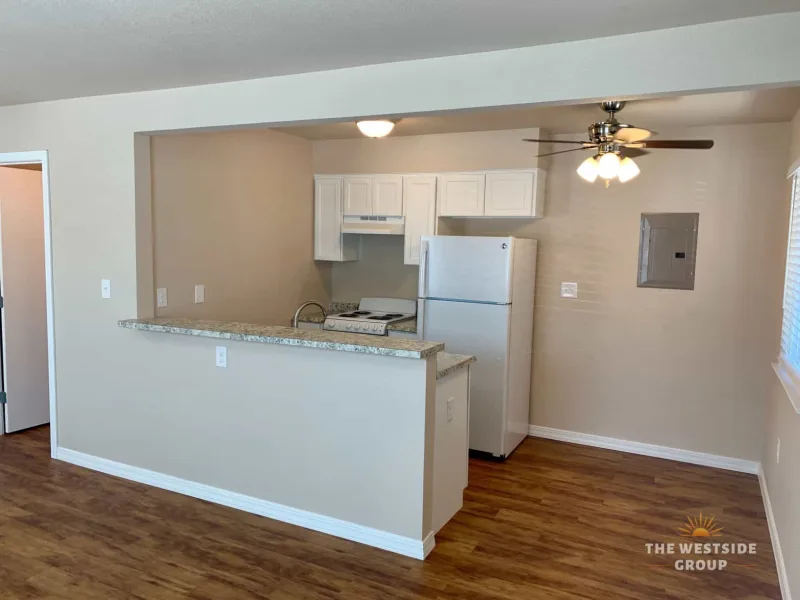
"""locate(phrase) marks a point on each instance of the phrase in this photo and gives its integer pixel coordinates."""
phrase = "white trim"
(384, 540)
(41, 157)
(783, 576)
(687, 456)
(789, 382)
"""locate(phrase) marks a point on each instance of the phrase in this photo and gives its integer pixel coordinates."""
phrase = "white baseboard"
(384, 540)
(687, 456)
(783, 576)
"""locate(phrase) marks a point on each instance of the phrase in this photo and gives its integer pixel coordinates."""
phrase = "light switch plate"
(450, 409)
(569, 290)
(105, 288)
(222, 357)
(161, 297)
(199, 294)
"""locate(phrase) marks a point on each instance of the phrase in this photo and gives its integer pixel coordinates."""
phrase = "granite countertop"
(409, 326)
(449, 363)
(272, 334)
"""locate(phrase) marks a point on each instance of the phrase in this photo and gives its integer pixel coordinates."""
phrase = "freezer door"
(472, 269)
(481, 330)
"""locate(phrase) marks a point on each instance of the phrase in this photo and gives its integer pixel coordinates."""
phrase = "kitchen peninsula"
(338, 432)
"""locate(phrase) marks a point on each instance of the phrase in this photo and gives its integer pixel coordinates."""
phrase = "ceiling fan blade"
(628, 152)
(563, 151)
(626, 134)
(557, 142)
(675, 144)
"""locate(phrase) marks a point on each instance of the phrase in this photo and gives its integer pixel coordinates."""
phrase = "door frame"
(29, 158)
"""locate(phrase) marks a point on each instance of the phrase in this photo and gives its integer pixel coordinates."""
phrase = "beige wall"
(233, 211)
(381, 271)
(685, 369)
(783, 423)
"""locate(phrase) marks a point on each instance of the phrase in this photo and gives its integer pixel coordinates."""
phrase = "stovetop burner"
(383, 317)
(356, 313)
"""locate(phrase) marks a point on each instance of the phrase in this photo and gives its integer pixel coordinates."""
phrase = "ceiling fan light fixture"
(589, 169)
(628, 169)
(608, 166)
(376, 128)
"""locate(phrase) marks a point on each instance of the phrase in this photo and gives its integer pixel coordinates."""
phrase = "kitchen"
(207, 270)
(250, 225)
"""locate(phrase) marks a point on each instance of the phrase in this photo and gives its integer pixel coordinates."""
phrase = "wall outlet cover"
(222, 357)
(161, 297)
(569, 290)
(199, 294)
(105, 288)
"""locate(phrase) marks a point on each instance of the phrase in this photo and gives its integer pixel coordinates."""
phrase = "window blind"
(790, 332)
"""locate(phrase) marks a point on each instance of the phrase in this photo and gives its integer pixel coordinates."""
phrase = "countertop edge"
(452, 363)
(300, 340)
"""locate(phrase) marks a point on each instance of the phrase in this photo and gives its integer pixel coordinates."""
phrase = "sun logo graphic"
(700, 527)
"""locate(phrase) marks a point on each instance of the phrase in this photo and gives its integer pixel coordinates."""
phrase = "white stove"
(372, 316)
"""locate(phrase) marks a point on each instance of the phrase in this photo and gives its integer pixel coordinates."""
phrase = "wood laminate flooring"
(555, 521)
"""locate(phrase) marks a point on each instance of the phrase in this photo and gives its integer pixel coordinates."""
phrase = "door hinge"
(3, 399)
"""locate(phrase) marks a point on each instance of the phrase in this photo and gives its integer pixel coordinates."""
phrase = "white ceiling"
(728, 108)
(68, 48)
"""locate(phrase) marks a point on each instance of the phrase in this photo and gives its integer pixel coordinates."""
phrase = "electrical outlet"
(778, 452)
(199, 294)
(105, 288)
(161, 297)
(222, 357)
(569, 290)
(449, 409)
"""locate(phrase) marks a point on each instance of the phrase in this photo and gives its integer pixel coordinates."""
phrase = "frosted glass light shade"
(628, 170)
(589, 169)
(608, 166)
(375, 129)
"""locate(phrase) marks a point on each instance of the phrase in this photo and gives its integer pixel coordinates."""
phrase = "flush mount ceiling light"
(617, 144)
(375, 129)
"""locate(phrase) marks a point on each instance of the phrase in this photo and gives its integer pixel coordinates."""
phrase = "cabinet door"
(419, 201)
(357, 196)
(509, 194)
(461, 194)
(387, 195)
(328, 218)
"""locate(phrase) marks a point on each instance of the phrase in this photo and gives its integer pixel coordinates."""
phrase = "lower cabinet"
(450, 446)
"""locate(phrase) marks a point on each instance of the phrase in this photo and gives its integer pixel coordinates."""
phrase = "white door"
(24, 314)
(357, 196)
(509, 194)
(461, 194)
(481, 330)
(470, 269)
(387, 195)
(328, 218)
(419, 203)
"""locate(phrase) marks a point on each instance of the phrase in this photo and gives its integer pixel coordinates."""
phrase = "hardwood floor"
(555, 521)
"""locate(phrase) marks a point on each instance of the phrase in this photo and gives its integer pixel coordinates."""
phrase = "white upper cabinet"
(419, 201)
(329, 243)
(387, 196)
(357, 196)
(509, 194)
(461, 194)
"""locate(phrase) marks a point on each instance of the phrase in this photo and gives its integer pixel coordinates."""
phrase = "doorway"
(27, 358)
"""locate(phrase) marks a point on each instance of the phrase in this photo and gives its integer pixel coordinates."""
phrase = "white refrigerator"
(476, 296)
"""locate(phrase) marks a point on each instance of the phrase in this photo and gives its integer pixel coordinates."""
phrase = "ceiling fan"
(617, 144)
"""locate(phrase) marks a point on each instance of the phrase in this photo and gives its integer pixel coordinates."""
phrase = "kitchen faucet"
(302, 306)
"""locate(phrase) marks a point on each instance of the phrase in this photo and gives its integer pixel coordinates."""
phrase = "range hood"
(374, 225)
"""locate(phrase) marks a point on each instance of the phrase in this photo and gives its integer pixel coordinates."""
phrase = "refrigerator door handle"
(423, 270)
(421, 320)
